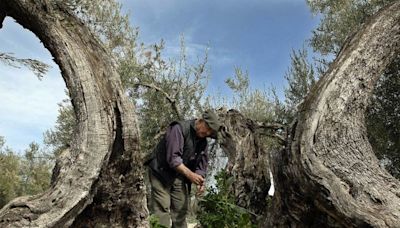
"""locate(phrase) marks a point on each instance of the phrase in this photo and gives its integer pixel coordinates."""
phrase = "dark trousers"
(170, 203)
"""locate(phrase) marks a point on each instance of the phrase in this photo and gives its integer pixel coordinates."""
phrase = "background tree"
(300, 78)
(35, 171)
(165, 90)
(252, 103)
(9, 180)
(162, 89)
(105, 19)
(28, 174)
(60, 137)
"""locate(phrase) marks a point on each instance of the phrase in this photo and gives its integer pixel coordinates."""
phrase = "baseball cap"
(212, 120)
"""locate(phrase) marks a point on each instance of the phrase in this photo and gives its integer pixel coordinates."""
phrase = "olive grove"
(324, 167)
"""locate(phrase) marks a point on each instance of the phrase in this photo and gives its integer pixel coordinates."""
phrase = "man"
(179, 159)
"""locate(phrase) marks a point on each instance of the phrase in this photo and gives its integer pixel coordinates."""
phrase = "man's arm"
(193, 177)
(174, 147)
(201, 169)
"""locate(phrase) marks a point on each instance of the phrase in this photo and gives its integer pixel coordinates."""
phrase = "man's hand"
(193, 177)
(196, 179)
(200, 190)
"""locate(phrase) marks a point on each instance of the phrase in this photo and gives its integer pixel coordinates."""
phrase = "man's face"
(203, 130)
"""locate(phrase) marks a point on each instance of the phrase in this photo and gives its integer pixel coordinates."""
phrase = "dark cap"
(212, 120)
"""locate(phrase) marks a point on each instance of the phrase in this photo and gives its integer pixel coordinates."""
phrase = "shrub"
(218, 208)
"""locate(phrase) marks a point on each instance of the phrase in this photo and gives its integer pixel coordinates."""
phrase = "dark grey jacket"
(193, 147)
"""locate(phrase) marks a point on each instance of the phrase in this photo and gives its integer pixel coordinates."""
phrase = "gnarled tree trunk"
(248, 161)
(328, 176)
(99, 182)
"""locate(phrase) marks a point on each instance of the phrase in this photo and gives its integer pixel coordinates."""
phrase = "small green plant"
(218, 208)
(154, 222)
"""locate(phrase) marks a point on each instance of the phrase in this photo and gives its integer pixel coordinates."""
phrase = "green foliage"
(112, 27)
(154, 222)
(255, 104)
(340, 18)
(23, 175)
(383, 119)
(37, 67)
(60, 137)
(300, 78)
(164, 90)
(35, 171)
(9, 179)
(218, 208)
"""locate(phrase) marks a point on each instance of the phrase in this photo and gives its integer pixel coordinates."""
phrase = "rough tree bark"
(328, 176)
(248, 159)
(99, 182)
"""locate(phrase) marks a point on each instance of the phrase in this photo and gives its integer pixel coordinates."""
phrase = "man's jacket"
(192, 151)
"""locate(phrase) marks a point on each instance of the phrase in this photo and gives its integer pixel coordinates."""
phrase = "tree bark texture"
(99, 181)
(328, 176)
(248, 161)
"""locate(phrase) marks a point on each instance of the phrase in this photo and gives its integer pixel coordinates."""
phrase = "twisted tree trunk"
(99, 181)
(328, 176)
(248, 161)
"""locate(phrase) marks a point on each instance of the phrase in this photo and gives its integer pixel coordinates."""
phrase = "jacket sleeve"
(174, 145)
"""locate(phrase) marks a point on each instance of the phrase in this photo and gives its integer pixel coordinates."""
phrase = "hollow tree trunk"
(99, 182)
(328, 176)
(248, 161)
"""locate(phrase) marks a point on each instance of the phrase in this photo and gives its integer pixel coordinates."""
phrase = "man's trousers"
(170, 203)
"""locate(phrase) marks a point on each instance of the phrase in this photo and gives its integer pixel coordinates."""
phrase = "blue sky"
(256, 35)
(28, 105)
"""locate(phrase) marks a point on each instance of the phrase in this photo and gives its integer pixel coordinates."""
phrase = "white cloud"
(221, 57)
(28, 105)
(192, 50)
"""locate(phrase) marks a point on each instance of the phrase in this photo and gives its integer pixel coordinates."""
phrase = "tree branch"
(37, 67)
(269, 126)
(166, 95)
(271, 130)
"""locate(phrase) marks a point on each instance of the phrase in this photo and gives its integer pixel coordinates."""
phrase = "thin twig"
(167, 96)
